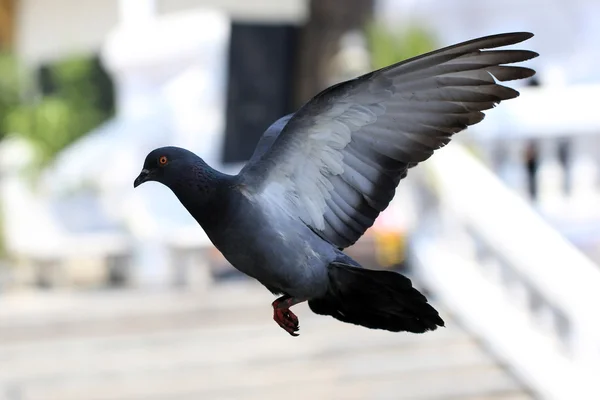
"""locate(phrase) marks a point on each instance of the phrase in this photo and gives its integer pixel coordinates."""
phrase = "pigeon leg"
(283, 316)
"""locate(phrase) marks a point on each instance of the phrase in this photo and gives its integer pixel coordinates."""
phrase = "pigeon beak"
(142, 177)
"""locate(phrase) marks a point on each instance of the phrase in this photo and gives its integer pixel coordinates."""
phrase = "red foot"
(285, 318)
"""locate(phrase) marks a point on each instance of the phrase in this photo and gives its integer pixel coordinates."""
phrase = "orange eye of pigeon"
(163, 160)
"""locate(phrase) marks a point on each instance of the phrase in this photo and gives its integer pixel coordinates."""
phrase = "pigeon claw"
(286, 320)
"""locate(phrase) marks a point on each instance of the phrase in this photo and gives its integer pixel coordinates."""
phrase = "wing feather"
(335, 164)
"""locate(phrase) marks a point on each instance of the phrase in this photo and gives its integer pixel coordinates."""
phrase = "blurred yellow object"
(389, 247)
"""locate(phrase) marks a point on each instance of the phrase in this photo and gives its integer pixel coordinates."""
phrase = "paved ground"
(222, 344)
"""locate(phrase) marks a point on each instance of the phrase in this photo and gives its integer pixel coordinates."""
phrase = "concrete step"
(255, 382)
(223, 344)
(83, 358)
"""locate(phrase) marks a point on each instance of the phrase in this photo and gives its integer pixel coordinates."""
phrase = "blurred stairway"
(222, 344)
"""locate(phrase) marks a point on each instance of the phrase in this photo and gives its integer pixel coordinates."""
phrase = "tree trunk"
(7, 23)
(328, 21)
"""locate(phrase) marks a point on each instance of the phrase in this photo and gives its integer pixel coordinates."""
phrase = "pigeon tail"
(376, 299)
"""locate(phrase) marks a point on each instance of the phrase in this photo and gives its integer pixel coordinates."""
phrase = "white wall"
(247, 10)
(51, 29)
(48, 30)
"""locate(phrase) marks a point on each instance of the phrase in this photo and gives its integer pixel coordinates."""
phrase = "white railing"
(558, 130)
(510, 277)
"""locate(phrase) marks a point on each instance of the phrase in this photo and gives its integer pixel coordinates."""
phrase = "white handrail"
(544, 112)
(555, 270)
(535, 249)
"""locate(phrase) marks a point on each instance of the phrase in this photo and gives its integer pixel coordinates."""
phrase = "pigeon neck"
(205, 195)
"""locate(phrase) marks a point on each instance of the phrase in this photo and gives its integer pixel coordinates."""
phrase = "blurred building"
(49, 30)
(211, 76)
(208, 76)
(171, 62)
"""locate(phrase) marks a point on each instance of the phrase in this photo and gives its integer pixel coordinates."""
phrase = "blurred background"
(111, 293)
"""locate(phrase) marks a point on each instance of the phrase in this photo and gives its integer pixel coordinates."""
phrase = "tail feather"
(377, 300)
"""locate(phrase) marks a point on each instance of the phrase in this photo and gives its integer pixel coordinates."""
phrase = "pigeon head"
(170, 166)
(195, 183)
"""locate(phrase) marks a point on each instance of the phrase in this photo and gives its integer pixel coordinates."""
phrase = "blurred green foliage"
(388, 46)
(10, 84)
(72, 103)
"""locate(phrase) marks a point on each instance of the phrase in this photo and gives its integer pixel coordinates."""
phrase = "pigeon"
(320, 177)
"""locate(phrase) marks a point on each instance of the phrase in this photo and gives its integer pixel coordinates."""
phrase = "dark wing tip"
(522, 35)
(526, 55)
(514, 73)
(512, 37)
(498, 40)
(509, 93)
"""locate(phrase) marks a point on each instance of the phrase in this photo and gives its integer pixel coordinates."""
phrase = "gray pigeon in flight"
(320, 177)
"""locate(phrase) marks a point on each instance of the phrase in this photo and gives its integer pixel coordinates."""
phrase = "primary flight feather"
(319, 178)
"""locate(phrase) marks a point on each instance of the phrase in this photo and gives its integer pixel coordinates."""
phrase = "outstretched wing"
(338, 160)
(268, 137)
